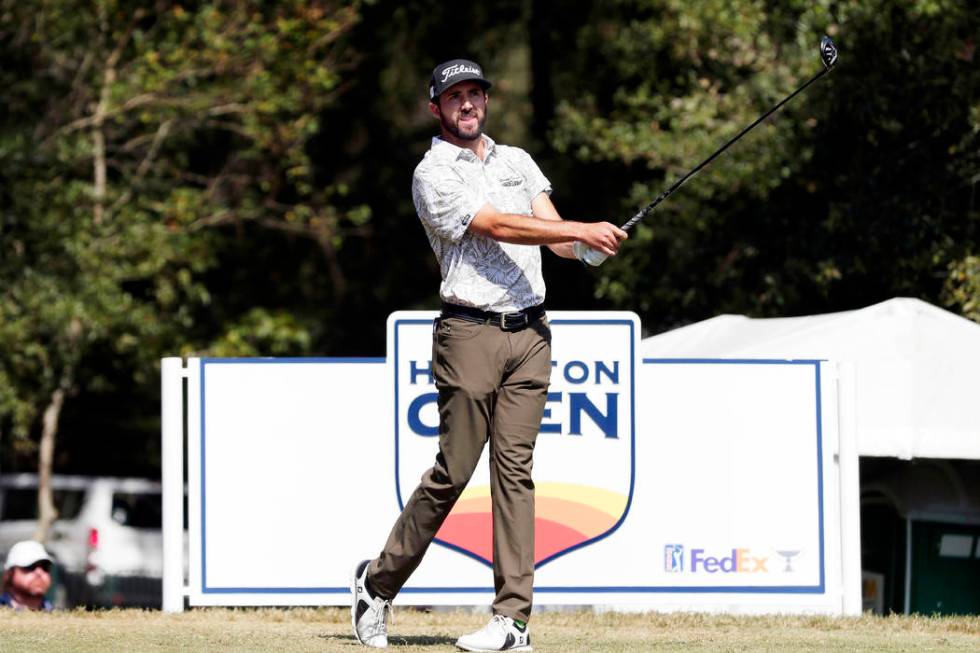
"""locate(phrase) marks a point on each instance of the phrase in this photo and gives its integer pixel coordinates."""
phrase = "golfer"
(486, 210)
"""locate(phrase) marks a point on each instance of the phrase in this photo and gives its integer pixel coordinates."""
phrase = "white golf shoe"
(368, 614)
(501, 634)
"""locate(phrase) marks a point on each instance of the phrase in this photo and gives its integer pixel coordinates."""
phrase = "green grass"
(328, 629)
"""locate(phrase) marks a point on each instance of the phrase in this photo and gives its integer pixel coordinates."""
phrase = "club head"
(828, 51)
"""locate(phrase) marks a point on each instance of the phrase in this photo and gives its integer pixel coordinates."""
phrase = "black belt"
(506, 321)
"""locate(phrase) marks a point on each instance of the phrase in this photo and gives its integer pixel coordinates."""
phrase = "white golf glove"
(588, 255)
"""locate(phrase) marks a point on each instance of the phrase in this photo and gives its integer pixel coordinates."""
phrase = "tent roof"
(917, 368)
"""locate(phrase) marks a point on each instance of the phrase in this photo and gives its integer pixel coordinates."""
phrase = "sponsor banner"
(732, 491)
(740, 450)
(678, 484)
(277, 449)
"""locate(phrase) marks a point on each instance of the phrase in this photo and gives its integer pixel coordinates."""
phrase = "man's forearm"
(546, 227)
(524, 229)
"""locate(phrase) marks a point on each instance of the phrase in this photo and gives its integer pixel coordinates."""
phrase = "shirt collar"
(446, 149)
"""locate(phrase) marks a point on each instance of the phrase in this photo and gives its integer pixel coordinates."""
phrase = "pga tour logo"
(584, 454)
(674, 558)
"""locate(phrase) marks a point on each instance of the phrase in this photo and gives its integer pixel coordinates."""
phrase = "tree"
(235, 186)
(130, 131)
(851, 194)
(962, 288)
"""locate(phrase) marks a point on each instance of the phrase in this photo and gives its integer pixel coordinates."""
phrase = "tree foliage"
(131, 134)
(855, 192)
(232, 177)
(962, 289)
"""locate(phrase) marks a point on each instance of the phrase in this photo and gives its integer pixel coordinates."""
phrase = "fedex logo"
(736, 561)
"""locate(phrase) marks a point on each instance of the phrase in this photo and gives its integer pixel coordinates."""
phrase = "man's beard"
(454, 130)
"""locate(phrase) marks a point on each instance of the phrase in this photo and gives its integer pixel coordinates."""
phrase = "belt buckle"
(520, 321)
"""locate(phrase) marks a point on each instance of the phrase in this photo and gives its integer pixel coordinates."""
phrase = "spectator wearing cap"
(26, 577)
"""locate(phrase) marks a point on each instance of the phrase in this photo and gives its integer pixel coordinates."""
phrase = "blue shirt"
(7, 601)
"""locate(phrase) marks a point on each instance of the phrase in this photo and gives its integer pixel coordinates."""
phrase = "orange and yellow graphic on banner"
(566, 514)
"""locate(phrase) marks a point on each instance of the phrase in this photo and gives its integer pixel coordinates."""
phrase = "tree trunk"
(98, 145)
(102, 109)
(46, 511)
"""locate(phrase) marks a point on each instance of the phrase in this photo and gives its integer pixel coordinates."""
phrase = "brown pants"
(492, 386)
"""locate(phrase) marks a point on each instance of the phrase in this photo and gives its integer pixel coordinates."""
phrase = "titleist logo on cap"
(458, 69)
(453, 72)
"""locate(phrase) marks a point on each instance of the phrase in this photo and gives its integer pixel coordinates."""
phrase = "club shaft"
(677, 184)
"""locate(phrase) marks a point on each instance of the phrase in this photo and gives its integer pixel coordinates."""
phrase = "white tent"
(916, 368)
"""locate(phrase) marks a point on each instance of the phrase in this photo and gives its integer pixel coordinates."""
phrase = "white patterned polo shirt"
(450, 186)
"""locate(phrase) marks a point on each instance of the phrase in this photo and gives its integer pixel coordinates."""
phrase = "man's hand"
(604, 237)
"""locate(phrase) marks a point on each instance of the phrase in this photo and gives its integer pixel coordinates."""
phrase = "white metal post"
(195, 553)
(850, 492)
(172, 478)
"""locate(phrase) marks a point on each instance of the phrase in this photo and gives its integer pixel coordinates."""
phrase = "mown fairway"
(414, 631)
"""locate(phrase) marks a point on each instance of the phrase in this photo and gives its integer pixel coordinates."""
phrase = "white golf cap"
(25, 554)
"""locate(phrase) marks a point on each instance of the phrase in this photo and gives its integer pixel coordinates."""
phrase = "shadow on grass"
(398, 640)
(422, 640)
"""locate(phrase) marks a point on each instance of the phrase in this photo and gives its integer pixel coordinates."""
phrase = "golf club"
(828, 55)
